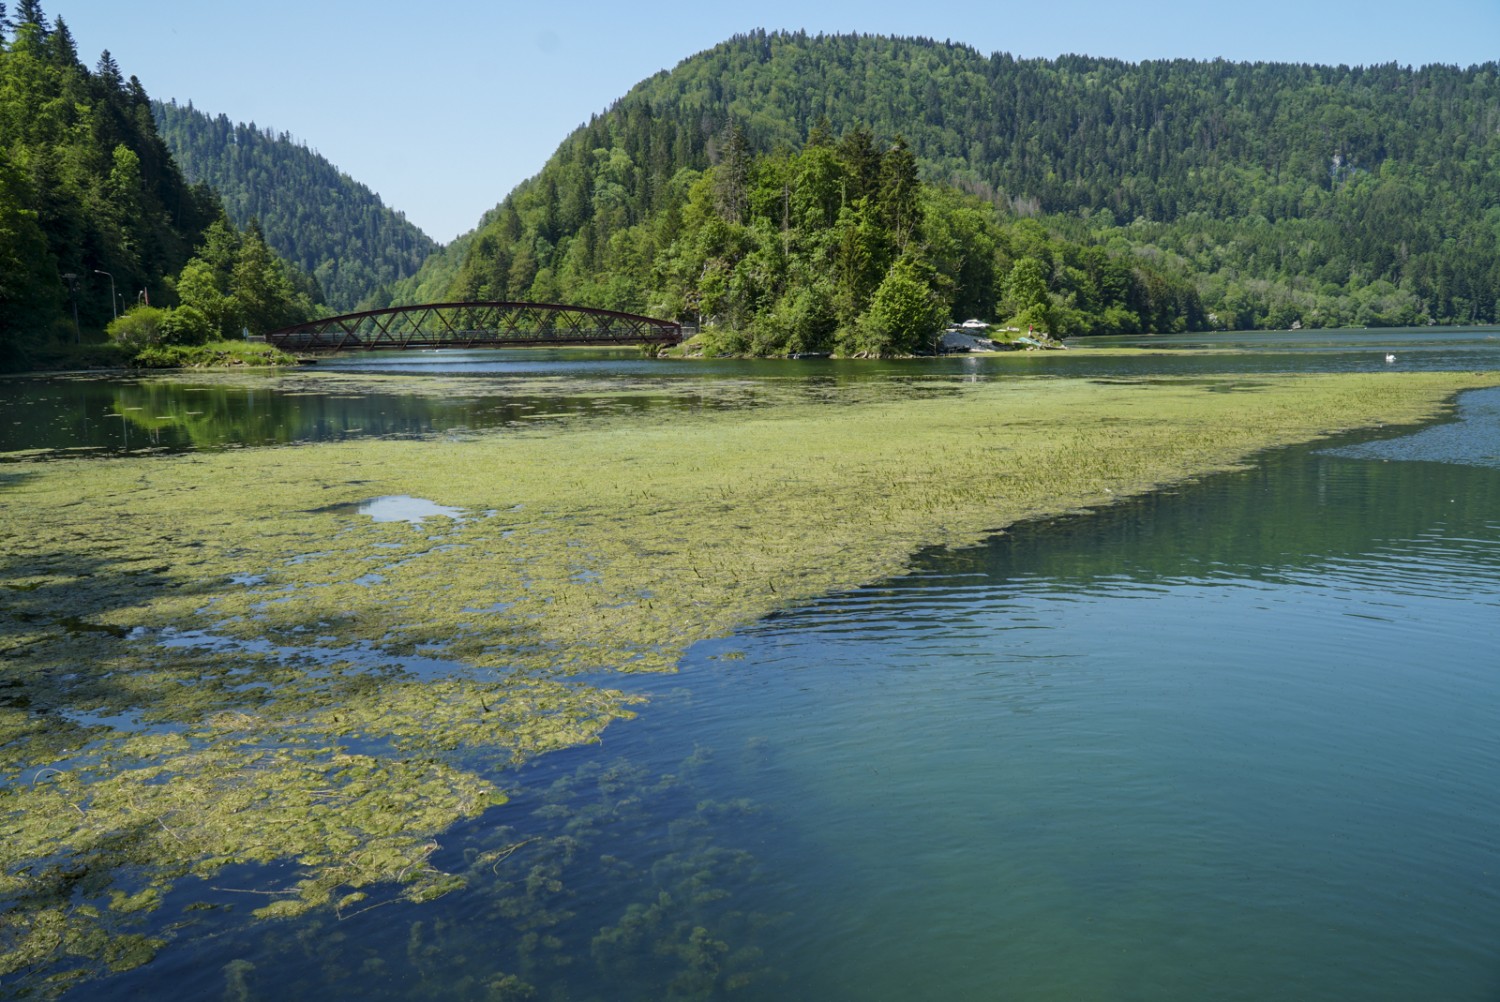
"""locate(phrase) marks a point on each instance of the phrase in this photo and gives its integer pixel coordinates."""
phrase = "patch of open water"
(397, 508)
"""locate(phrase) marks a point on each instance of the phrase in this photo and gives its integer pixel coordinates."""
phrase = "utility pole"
(72, 279)
(114, 305)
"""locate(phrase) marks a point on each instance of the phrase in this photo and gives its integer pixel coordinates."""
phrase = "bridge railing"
(474, 325)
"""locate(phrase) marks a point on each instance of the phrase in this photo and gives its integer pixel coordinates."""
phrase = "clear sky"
(443, 106)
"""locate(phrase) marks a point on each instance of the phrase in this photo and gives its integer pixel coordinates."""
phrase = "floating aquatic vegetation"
(301, 729)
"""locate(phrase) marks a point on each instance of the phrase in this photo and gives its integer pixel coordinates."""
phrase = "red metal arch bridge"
(474, 325)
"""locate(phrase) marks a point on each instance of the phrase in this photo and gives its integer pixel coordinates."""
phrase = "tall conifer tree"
(108, 71)
(29, 12)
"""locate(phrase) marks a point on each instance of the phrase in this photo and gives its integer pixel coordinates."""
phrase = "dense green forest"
(311, 213)
(93, 206)
(86, 188)
(1318, 195)
(838, 246)
(793, 192)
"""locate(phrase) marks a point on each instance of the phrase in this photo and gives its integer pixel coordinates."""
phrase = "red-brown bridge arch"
(474, 325)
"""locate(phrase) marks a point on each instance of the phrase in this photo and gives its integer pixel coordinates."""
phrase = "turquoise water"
(1236, 741)
(1081, 764)
(1233, 741)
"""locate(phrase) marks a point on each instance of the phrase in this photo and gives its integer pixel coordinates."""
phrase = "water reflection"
(125, 416)
(485, 390)
(396, 508)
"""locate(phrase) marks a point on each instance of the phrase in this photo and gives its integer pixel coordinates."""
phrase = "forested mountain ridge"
(1066, 131)
(1312, 194)
(91, 202)
(311, 213)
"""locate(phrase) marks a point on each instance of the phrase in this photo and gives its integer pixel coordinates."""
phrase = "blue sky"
(442, 107)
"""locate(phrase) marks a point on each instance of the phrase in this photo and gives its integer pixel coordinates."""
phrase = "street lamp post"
(72, 279)
(114, 307)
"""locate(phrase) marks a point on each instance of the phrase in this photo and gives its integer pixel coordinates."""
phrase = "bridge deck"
(474, 325)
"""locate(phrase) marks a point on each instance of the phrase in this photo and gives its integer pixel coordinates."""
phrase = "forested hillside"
(93, 207)
(87, 190)
(838, 246)
(311, 213)
(1320, 195)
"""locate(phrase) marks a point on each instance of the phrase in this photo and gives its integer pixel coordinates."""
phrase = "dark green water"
(123, 416)
(500, 389)
(1237, 741)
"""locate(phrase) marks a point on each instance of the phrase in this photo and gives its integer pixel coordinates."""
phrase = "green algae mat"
(217, 658)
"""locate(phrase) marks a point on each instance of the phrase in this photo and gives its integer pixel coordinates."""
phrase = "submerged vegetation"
(214, 661)
(220, 674)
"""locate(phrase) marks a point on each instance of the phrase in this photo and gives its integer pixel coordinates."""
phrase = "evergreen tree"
(1291, 193)
(821, 133)
(108, 71)
(861, 163)
(266, 297)
(732, 178)
(898, 193)
(87, 188)
(238, 284)
(1325, 194)
(29, 13)
(61, 47)
(30, 290)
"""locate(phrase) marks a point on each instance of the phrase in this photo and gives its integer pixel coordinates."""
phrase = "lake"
(487, 390)
(1235, 740)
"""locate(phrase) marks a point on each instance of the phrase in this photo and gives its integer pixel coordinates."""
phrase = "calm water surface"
(1236, 741)
(490, 389)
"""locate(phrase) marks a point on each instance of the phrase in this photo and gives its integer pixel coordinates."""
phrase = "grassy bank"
(213, 658)
(63, 357)
(214, 354)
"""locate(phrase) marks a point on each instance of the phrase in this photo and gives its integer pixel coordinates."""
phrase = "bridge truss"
(474, 325)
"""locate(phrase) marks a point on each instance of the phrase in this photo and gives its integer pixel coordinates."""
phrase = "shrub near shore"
(214, 354)
(187, 336)
(294, 725)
